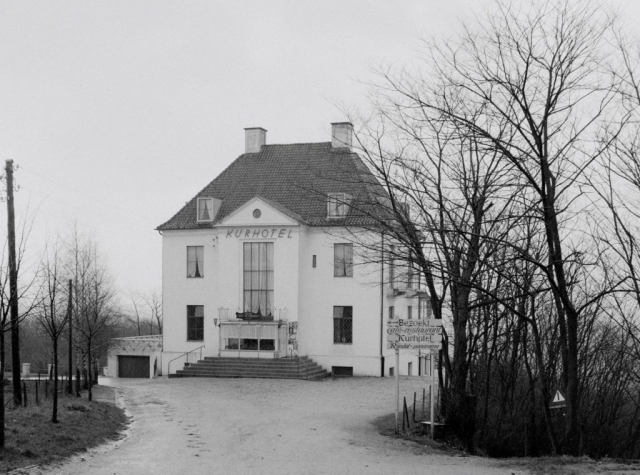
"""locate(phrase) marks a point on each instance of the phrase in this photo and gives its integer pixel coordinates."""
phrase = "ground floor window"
(250, 344)
(343, 324)
(339, 371)
(195, 322)
(249, 337)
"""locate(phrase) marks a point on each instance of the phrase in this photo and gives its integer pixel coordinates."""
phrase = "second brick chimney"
(341, 135)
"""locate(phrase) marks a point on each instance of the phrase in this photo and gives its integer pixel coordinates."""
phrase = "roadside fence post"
(404, 410)
(414, 406)
(77, 382)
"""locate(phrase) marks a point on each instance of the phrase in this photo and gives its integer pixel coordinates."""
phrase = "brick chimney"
(341, 135)
(254, 139)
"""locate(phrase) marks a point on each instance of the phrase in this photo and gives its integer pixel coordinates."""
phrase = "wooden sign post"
(414, 335)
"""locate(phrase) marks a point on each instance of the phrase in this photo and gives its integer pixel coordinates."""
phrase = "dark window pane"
(248, 344)
(232, 344)
(342, 324)
(267, 345)
(195, 322)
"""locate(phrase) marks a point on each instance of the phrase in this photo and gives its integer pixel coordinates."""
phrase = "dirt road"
(249, 426)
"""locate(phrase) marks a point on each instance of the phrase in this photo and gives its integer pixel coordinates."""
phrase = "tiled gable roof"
(297, 176)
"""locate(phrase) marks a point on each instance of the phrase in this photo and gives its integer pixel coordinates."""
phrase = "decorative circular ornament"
(257, 213)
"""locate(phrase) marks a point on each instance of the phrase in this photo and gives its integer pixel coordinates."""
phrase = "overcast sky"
(117, 112)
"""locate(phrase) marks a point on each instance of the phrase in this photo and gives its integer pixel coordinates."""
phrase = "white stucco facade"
(304, 294)
(272, 260)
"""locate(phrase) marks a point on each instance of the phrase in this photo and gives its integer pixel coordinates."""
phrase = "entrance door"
(133, 366)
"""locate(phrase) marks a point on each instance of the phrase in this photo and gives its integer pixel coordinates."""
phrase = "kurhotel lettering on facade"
(259, 233)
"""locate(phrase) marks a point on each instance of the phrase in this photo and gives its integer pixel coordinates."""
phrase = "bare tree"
(144, 311)
(134, 314)
(53, 312)
(485, 156)
(28, 295)
(443, 204)
(94, 298)
(535, 85)
(153, 301)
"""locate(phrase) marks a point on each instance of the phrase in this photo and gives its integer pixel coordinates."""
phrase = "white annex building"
(262, 264)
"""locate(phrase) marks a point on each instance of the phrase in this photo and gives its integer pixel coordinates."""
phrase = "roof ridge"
(296, 143)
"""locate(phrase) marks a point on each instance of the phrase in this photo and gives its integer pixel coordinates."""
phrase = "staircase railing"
(304, 363)
(184, 354)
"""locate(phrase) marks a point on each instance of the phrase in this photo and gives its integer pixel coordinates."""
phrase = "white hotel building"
(262, 263)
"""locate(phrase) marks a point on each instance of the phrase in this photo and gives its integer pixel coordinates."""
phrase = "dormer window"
(338, 205)
(205, 210)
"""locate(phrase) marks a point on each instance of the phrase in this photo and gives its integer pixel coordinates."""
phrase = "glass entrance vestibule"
(253, 340)
(257, 330)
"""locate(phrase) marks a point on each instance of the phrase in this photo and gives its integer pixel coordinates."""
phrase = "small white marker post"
(397, 371)
(432, 395)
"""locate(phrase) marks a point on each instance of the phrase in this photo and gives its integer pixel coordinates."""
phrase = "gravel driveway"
(263, 426)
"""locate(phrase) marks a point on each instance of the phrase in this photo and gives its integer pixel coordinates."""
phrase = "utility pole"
(13, 287)
(69, 322)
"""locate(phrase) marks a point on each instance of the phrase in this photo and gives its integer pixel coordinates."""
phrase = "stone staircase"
(277, 368)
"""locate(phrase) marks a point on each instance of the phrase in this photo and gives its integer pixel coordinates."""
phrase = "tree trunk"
(2, 358)
(13, 287)
(54, 415)
(90, 397)
(568, 320)
(459, 408)
(544, 386)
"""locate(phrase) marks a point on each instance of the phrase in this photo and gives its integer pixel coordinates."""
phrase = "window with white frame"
(195, 261)
(195, 322)
(411, 273)
(392, 268)
(338, 205)
(424, 308)
(343, 325)
(343, 260)
(205, 210)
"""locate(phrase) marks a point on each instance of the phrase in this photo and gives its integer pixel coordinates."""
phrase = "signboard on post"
(558, 401)
(414, 334)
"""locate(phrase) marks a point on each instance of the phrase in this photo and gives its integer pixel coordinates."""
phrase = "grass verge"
(386, 425)
(32, 439)
(565, 465)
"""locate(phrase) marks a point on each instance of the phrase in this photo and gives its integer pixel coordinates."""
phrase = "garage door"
(133, 366)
